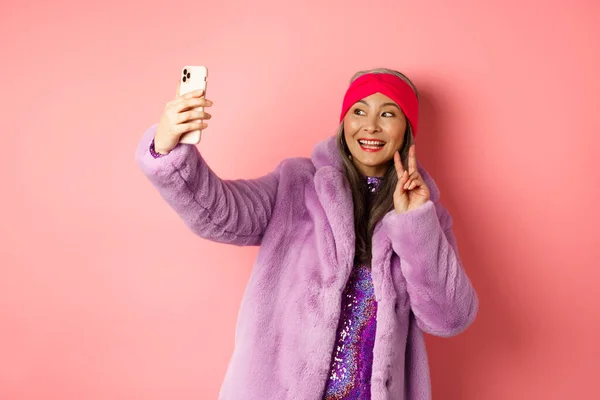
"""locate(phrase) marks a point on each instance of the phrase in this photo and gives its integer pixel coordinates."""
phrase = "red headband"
(390, 85)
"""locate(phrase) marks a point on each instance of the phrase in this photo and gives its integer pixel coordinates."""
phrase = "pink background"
(104, 294)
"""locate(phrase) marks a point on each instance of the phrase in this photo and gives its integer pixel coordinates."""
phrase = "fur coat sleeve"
(226, 211)
(440, 293)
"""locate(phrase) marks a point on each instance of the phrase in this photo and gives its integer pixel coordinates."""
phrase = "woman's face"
(374, 130)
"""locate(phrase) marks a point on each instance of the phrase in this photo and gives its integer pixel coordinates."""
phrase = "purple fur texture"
(301, 215)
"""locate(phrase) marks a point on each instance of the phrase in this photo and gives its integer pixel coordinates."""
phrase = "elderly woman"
(357, 255)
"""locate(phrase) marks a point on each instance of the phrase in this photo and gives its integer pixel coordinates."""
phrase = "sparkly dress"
(352, 362)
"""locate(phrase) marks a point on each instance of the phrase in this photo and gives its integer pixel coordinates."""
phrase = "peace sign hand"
(411, 191)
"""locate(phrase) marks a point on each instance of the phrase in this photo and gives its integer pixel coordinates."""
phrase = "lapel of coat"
(333, 190)
(380, 263)
(334, 194)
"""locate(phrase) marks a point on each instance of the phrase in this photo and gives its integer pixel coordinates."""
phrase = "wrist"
(155, 152)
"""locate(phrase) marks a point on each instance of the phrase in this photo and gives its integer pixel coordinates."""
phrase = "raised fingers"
(398, 164)
(412, 160)
(400, 171)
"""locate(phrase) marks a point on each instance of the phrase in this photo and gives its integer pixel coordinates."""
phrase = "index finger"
(398, 164)
(178, 87)
(412, 160)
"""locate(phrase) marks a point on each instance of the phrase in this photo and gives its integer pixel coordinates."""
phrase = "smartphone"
(193, 77)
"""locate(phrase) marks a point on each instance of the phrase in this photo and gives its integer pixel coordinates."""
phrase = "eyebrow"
(383, 105)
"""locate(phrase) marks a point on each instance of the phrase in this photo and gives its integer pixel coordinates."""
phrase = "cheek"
(350, 127)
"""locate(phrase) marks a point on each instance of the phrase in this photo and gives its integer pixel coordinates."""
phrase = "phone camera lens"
(189, 75)
(185, 71)
(184, 79)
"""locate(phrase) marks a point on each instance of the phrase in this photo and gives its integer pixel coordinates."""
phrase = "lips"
(371, 145)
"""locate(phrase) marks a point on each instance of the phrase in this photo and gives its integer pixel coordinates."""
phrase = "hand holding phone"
(193, 78)
(184, 117)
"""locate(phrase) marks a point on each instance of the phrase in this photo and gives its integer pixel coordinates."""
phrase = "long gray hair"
(367, 216)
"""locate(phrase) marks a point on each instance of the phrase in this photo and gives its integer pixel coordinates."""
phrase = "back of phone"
(192, 78)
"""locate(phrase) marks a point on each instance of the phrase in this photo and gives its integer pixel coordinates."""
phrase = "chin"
(375, 162)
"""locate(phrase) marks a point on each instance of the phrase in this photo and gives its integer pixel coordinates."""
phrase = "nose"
(371, 124)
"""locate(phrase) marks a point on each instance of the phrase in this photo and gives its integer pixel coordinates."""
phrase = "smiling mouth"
(371, 145)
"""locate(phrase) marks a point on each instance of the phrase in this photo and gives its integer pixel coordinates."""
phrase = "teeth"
(371, 142)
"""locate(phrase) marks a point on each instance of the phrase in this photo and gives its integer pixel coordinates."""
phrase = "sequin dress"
(352, 361)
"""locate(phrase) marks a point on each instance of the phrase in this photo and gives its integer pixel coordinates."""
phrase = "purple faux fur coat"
(301, 215)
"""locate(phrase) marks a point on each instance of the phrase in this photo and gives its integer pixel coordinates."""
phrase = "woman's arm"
(226, 211)
(441, 295)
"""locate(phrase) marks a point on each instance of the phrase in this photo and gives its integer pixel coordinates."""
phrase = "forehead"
(377, 100)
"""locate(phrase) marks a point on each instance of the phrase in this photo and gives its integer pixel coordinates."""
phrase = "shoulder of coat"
(298, 165)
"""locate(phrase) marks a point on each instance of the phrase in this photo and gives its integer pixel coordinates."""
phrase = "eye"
(389, 114)
(358, 111)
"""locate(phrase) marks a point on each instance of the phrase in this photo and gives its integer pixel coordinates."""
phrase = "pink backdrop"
(104, 294)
